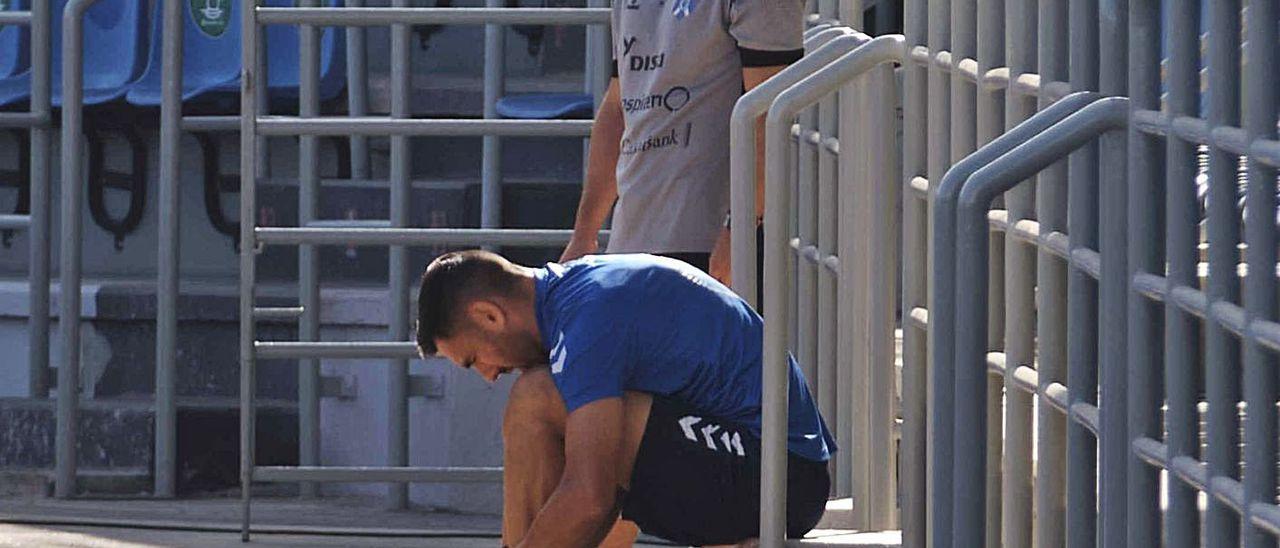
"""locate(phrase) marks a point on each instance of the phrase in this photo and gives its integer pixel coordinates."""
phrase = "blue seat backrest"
(211, 50)
(113, 46)
(282, 57)
(15, 42)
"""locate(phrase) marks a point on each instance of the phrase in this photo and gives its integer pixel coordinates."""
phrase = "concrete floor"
(357, 522)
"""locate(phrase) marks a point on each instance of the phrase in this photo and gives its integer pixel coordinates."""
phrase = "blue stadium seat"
(545, 106)
(211, 53)
(15, 80)
(14, 44)
(211, 57)
(113, 52)
(282, 58)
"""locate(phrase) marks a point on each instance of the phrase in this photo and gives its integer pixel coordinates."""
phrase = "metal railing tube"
(777, 254)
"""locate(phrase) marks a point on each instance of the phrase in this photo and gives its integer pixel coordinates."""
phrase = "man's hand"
(721, 264)
(585, 505)
(578, 248)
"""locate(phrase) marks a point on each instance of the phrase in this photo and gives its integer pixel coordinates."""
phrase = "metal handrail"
(785, 107)
(399, 127)
(970, 272)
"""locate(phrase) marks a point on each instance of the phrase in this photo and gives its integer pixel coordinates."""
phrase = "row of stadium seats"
(122, 54)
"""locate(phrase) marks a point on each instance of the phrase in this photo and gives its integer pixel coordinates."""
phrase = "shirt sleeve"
(768, 25)
(591, 356)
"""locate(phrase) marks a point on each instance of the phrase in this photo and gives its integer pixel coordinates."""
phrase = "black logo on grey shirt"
(669, 139)
(673, 100)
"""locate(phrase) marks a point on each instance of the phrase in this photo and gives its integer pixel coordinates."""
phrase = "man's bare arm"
(600, 190)
(751, 77)
(585, 505)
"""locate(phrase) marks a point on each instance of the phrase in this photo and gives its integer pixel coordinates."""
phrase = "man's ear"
(487, 315)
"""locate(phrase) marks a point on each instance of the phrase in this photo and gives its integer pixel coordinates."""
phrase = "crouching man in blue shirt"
(639, 395)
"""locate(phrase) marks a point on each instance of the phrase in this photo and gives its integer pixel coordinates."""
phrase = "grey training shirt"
(680, 73)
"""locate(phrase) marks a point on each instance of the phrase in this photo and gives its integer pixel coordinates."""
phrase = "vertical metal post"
(915, 233)
(308, 255)
(1051, 301)
(880, 175)
(495, 62)
(1263, 64)
(1222, 349)
(167, 287)
(72, 237)
(598, 49)
(1019, 294)
(41, 160)
(401, 163)
(829, 119)
(1113, 37)
(1082, 290)
(250, 71)
(357, 93)
(806, 272)
(1145, 253)
(1181, 330)
(989, 123)
(851, 390)
(940, 427)
(776, 255)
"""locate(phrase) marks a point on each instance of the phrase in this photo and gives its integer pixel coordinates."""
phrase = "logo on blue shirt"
(681, 8)
(557, 355)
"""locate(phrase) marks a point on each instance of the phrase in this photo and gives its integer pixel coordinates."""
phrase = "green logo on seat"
(211, 16)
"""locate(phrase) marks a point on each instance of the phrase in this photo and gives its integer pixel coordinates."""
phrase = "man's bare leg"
(533, 453)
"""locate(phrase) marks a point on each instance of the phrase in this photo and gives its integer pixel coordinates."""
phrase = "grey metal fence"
(1074, 334)
(394, 232)
(39, 121)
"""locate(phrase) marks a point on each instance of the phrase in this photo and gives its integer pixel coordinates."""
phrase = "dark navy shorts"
(696, 480)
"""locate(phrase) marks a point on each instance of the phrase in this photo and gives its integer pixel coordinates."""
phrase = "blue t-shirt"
(650, 324)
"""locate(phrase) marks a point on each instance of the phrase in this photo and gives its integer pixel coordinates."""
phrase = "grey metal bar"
(1223, 390)
(167, 287)
(414, 236)
(1181, 331)
(777, 209)
(360, 474)
(21, 18)
(358, 92)
(495, 63)
(938, 149)
(21, 119)
(336, 350)
(1016, 303)
(401, 166)
(1142, 357)
(401, 15)
(970, 305)
(915, 413)
(1050, 299)
(206, 124)
(278, 313)
(15, 222)
(1113, 32)
(72, 238)
(942, 314)
(404, 127)
(828, 278)
(39, 230)
(250, 71)
(742, 146)
(1082, 289)
(1260, 365)
(308, 256)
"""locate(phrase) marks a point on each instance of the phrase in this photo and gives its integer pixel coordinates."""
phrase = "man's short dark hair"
(451, 282)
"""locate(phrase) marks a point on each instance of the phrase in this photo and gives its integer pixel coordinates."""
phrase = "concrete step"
(836, 529)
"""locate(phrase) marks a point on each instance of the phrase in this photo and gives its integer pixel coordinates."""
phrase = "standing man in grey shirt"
(660, 142)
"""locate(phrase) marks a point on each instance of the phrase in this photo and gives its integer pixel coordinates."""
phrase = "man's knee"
(533, 402)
